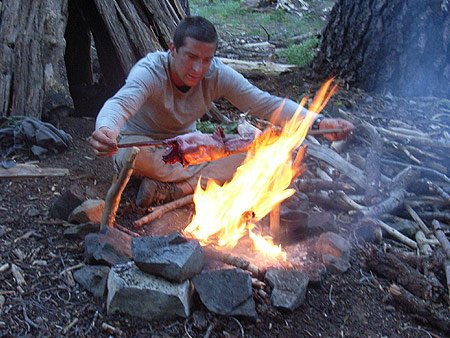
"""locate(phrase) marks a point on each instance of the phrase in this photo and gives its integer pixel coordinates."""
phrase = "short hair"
(195, 27)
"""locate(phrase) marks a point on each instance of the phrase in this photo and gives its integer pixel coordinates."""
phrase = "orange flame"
(259, 184)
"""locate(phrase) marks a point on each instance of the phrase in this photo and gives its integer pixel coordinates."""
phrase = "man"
(165, 94)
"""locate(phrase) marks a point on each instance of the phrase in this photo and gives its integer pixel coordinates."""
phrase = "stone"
(93, 278)
(170, 256)
(81, 230)
(108, 247)
(335, 252)
(226, 292)
(65, 203)
(134, 292)
(88, 211)
(289, 288)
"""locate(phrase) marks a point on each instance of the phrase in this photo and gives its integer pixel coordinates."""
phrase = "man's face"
(191, 62)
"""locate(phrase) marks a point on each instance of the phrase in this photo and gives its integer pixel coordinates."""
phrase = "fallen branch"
(229, 259)
(394, 233)
(162, 209)
(441, 237)
(307, 185)
(419, 307)
(112, 199)
(418, 220)
(394, 269)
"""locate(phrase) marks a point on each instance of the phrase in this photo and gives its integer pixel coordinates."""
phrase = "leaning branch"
(112, 199)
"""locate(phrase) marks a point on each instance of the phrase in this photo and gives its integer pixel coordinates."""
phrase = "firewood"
(440, 235)
(114, 194)
(419, 307)
(394, 233)
(395, 200)
(438, 215)
(229, 259)
(409, 139)
(394, 269)
(432, 173)
(424, 246)
(373, 163)
(447, 275)
(274, 222)
(162, 209)
(334, 159)
(308, 185)
(256, 68)
(434, 187)
(418, 220)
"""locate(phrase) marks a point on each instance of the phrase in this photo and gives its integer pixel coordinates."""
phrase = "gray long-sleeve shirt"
(149, 103)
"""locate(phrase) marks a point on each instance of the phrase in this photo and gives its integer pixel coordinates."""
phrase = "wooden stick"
(441, 237)
(162, 209)
(112, 199)
(396, 234)
(424, 247)
(274, 222)
(418, 220)
(229, 259)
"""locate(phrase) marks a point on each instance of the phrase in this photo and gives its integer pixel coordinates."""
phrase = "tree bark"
(33, 78)
(388, 45)
(39, 76)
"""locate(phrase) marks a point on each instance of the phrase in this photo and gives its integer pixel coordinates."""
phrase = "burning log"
(229, 259)
(112, 199)
(162, 209)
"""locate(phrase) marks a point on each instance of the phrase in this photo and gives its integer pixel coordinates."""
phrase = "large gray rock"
(108, 247)
(172, 257)
(226, 292)
(93, 278)
(139, 294)
(289, 288)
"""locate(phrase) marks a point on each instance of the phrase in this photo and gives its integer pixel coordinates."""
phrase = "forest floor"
(356, 303)
(353, 304)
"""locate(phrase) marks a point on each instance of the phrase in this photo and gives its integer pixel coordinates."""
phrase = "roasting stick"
(159, 143)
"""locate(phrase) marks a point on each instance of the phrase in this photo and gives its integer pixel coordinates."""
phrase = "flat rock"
(93, 278)
(134, 292)
(289, 288)
(108, 247)
(171, 257)
(226, 292)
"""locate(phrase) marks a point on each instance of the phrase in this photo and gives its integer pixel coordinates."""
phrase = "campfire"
(243, 224)
(224, 214)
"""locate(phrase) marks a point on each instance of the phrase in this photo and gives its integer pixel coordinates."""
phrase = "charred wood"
(421, 308)
(394, 269)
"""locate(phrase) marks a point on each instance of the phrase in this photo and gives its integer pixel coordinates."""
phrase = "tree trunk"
(388, 45)
(48, 49)
(33, 78)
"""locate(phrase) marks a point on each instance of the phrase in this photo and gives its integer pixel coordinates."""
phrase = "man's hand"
(329, 123)
(104, 141)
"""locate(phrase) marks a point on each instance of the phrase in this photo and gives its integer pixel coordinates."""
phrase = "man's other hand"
(104, 141)
(330, 123)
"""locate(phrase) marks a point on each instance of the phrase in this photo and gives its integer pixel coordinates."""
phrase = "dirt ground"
(353, 304)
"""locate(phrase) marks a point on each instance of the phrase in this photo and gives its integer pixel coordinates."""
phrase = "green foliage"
(209, 127)
(231, 18)
(301, 54)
